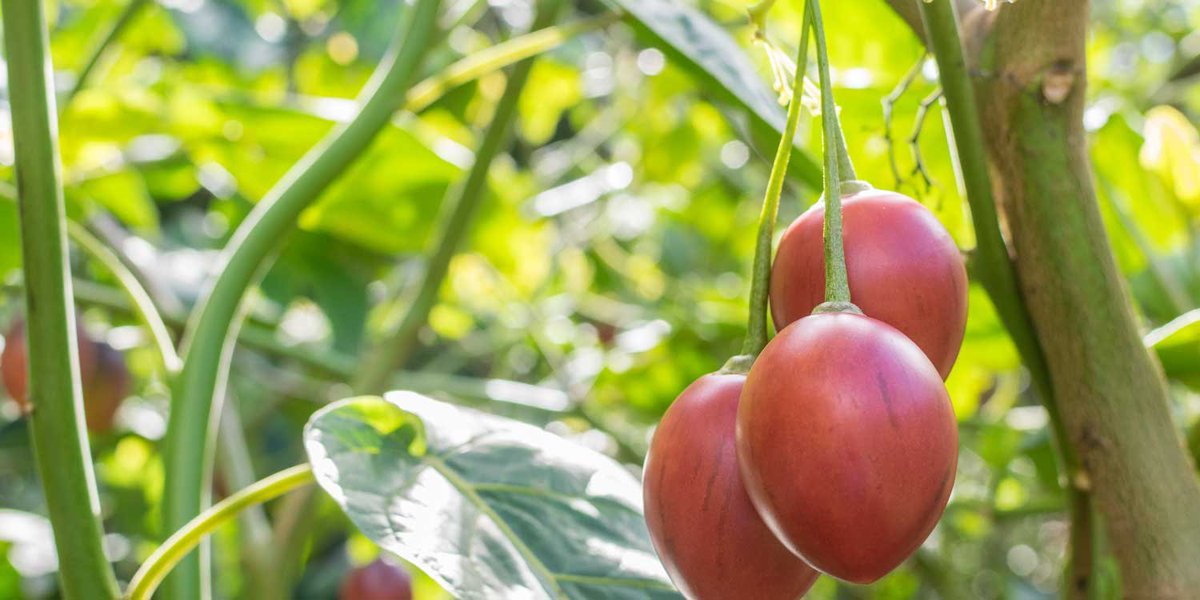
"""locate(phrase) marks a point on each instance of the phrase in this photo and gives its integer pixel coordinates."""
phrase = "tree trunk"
(1029, 65)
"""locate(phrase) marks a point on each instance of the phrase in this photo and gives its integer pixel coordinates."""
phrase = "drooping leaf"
(708, 52)
(1178, 347)
(488, 507)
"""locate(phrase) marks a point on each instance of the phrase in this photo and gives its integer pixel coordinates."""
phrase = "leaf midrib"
(470, 491)
(466, 489)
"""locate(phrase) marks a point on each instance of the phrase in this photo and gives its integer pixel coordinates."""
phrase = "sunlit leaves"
(1172, 151)
(490, 508)
(712, 57)
(559, 88)
(1178, 347)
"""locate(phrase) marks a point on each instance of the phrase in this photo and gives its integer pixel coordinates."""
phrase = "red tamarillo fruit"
(903, 266)
(14, 361)
(708, 534)
(847, 443)
(106, 389)
(382, 579)
(106, 378)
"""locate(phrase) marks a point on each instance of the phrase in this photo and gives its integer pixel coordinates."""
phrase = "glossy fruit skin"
(707, 533)
(848, 444)
(106, 379)
(380, 580)
(903, 266)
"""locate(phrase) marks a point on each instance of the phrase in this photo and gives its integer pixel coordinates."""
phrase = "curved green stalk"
(60, 443)
(463, 204)
(191, 427)
(837, 286)
(501, 55)
(760, 287)
(142, 303)
(998, 275)
(102, 47)
(235, 468)
(183, 541)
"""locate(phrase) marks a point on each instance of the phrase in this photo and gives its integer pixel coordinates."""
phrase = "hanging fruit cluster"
(832, 448)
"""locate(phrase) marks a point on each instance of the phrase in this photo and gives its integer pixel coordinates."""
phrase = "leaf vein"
(467, 489)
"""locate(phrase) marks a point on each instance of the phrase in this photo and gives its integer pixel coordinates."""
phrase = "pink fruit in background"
(382, 579)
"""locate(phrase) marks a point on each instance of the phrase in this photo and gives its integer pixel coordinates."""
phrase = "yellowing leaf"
(552, 88)
(1172, 151)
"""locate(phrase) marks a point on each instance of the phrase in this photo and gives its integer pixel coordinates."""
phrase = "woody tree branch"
(1028, 63)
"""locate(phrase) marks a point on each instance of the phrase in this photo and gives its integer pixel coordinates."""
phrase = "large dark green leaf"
(1178, 347)
(488, 507)
(707, 51)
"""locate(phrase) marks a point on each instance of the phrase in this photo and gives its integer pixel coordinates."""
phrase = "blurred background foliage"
(606, 271)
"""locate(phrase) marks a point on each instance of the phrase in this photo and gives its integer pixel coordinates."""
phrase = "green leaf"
(708, 52)
(488, 507)
(1178, 347)
(123, 193)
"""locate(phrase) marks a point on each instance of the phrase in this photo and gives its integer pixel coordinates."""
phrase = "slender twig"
(183, 541)
(60, 443)
(107, 229)
(188, 454)
(914, 140)
(144, 305)
(889, 107)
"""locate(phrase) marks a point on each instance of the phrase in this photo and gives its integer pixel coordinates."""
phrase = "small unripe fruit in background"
(711, 540)
(382, 579)
(108, 387)
(904, 269)
(106, 378)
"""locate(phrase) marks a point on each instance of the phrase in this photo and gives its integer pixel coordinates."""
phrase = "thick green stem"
(100, 50)
(996, 270)
(758, 326)
(60, 443)
(837, 285)
(191, 427)
(463, 204)
(183, 541)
